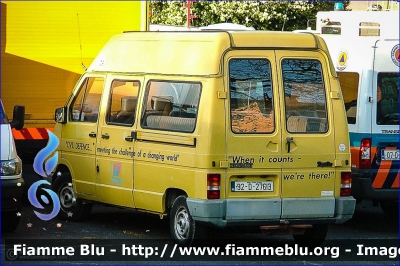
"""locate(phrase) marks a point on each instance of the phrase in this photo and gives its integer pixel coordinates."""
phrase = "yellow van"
(220, 128)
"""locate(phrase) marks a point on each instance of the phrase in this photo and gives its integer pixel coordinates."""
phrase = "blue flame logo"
(43, 154)
(43, 167)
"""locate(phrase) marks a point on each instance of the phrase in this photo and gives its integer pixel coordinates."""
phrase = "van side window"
(387, 99)
(171, 106)
(349, 84)
(251, 97)
(331, 27)
(305, 97)
(122, 103)
(85, 106)
(369, 29)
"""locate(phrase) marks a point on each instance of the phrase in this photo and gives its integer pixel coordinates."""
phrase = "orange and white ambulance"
(364, 46)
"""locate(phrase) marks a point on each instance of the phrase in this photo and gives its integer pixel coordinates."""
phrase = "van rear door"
(115, 143)
(385, 116)
(253, 137)
(308, 135)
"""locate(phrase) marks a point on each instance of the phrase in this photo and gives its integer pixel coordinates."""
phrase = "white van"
(12, 182)
(364, 47)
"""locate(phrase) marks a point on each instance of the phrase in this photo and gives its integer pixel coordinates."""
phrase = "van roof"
(197, 53)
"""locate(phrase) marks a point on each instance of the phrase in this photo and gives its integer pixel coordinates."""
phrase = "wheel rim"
(182, 223)
(67, 197)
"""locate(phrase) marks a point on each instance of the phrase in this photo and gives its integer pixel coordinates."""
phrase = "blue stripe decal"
(355, 138)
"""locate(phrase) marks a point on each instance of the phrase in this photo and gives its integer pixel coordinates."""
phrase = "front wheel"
(312, 237)
(182, 226)
(71, 208)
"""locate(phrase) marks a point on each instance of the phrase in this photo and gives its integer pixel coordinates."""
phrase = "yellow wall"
(43, 46)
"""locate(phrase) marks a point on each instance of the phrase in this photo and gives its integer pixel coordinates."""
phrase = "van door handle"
(132, 136)
(105, 136)
(92, 135)
(288, 141)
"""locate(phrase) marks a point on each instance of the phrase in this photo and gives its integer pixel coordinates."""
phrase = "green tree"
(262, 15)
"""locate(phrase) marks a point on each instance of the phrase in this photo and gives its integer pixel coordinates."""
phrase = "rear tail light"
(345, 184)
(365, 154)
(213, 186)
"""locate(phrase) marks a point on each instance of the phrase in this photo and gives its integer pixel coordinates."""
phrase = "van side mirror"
(60, 115)
(18, 117)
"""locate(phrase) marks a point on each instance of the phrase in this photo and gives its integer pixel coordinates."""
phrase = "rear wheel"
(312, 237)
(182, 226)
(71, 208)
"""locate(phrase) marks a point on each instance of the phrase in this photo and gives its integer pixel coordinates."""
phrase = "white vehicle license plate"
(390, 155)
(252, 186)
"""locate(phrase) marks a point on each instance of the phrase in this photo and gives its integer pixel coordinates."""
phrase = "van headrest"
(128, 104)
(161, 103)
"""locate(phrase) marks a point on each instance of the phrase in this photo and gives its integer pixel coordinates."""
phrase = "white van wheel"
(67, 197)
(72, 208)
(182, 225)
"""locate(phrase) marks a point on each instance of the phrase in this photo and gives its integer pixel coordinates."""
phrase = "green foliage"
(262, 15)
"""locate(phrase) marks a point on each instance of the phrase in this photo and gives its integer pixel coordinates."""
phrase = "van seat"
(306, 124)
(127, 114)
(162, 104)
(316, 124)
(297, 124)
(171, 123)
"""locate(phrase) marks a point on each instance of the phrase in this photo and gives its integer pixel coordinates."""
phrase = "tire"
(71, 208)
(390, 208)
(181, 224)
(10, 221)
(312, 237)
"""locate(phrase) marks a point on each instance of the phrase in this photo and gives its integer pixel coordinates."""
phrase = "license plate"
(390, 155)
(252, 186)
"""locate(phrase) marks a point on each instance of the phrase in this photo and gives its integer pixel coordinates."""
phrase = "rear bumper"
(250, 212)
(11, 194)
(361, 187)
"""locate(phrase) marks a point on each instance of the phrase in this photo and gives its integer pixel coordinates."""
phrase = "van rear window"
(349, 84)
(387, 107)
(305, 96)
(251, 97)
(171, 106)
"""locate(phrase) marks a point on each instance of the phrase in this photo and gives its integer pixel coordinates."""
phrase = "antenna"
(284, 19)
(80, 42)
